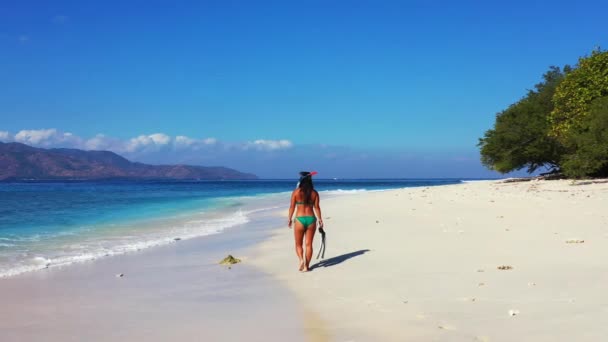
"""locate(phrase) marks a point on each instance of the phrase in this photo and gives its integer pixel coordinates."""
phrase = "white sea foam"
(351, 191)
(253, 211)
(344, 192)
(41, 261)
(116, 245)
(32, 238)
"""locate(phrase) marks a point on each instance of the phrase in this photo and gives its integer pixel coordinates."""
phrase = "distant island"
(22, 162)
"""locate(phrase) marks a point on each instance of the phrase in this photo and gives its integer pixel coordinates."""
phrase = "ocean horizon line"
(195, 180)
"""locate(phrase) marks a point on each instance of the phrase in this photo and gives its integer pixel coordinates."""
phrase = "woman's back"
(305, 206)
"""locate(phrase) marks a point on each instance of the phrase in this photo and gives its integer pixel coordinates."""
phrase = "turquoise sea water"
(46, 224)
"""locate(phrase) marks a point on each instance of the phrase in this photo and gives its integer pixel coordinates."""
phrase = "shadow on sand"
(338, 259)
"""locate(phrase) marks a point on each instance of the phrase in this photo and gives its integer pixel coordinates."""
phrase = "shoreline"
(414, 263)
(176, 291)
(48, 302)
(123, 235)
(52, 303)
(481, 261)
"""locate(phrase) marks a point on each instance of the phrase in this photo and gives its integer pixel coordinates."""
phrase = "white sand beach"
(480, 261)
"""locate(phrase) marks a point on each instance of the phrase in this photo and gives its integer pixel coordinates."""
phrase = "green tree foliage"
(573, 97)
(520, 135)
(589, 144)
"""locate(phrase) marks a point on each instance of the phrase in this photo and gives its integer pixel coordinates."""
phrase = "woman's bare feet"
(303, 266)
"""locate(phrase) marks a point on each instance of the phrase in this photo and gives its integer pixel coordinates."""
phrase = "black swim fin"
(323, 244)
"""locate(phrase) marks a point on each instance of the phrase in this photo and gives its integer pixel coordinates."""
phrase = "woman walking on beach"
(306, 199)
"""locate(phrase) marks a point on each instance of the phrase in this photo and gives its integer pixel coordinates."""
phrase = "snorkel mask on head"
(304, 174)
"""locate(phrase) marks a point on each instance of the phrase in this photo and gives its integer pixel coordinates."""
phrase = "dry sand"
(480, 261)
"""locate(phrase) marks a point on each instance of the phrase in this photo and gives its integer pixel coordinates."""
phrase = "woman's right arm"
(292, 207)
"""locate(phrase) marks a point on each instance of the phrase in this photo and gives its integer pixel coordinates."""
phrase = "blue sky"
(351, 88)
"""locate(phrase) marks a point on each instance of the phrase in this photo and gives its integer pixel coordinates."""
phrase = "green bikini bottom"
(306, 220)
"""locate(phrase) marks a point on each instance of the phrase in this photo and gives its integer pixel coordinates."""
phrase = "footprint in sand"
(446, 327)
(469, 299)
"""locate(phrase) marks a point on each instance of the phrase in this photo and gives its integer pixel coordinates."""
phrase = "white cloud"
(184, 141)
(36, 136)
(157, 145)
(96, 143)
(160, 138)
(5, 136)
(210, 141)
(269, 145)
(147, 142)
(101, 142)
(48, 138)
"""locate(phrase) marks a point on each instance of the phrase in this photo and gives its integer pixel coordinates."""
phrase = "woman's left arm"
(318, 211)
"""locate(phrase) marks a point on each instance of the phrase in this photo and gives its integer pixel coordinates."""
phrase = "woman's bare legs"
(310, 235)
(298, 233)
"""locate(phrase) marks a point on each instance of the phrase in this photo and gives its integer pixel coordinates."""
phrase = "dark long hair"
(307, 187)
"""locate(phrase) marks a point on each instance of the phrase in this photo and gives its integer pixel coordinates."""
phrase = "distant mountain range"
(22, 162)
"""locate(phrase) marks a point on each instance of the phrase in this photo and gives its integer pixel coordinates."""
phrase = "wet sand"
(171, 293)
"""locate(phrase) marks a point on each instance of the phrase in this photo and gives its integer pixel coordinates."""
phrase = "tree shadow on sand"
(338, 259)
